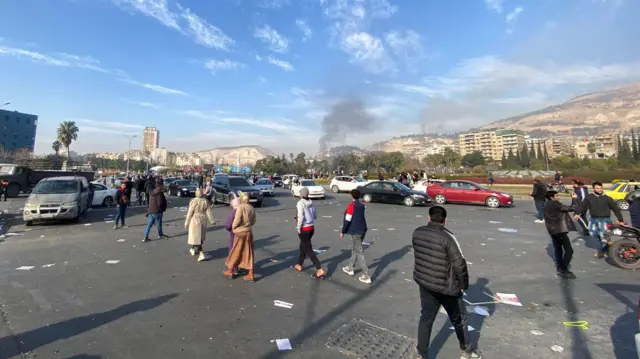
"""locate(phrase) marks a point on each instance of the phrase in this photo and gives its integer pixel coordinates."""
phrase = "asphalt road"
(158, 302)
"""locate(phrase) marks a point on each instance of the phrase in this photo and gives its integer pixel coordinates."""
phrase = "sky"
(275, 72)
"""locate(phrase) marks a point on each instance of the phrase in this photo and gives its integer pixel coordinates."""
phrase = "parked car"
(265, 186)
(228, 187)
(24, 179)
(315, 191)
(618, 191)
(346, 183)
(392, 192)
(422, 185)
(103, 195)
(459, 191)
(183, 188)
(277, 181)
(57, 198)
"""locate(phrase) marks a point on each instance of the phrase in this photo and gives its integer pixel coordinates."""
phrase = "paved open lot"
(158, 302)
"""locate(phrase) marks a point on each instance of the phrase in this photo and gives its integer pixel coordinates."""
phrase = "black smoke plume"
(347, 116)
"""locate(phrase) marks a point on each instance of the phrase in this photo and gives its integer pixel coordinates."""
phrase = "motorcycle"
(625, 251)
(557, 187)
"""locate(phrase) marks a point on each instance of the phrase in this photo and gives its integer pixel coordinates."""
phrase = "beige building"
(150, 139)
(491, 143)
(603, 146)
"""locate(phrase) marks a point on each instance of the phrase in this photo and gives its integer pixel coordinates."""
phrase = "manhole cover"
(367, 341)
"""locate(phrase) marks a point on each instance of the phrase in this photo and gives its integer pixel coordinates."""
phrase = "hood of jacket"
(306, 213)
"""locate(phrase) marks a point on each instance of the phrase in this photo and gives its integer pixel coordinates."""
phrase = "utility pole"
(129, 153)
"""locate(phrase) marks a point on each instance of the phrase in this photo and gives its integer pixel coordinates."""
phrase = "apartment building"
(150, 139)
(491, 143)
(605, 145)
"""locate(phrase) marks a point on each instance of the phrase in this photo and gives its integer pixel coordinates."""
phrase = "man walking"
(157, 206)
(139, 185)
(600, 207)
(122, 201)
(441, 273)
(149, 186)
(559, 224)
(355, 224)
(539, 194)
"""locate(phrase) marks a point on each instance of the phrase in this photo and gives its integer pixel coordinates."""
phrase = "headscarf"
(235, 202)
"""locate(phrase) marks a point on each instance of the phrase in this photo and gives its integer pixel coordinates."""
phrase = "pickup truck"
(23, 179)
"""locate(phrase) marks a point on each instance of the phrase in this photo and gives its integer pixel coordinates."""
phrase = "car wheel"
(623, 205)
(179, 194)
(440, 199)
(107, 202)
(367, 198)
(335, 189)
(28, 223)
(492, 202)
(409, 202)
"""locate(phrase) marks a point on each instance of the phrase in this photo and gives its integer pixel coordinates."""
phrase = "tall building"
(491, 143)
(150, 139)
(17, 130)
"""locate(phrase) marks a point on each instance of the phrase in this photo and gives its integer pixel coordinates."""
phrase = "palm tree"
(67, 133)
(56, 146)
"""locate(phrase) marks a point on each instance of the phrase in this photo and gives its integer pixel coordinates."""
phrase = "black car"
(392, 192)
(228, 187)
(183, 188)
(277, 181)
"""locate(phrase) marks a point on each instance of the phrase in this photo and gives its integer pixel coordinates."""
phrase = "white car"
(346, 183)
(315, 191)
(422, 185)
(288, 180)
(103, 195)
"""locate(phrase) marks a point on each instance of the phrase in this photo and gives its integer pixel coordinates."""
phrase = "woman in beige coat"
(241, 254)
(196, 222)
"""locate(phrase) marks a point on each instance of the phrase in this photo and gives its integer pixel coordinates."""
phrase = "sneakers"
(539, 221)
(145, 240)
(202, 257)
(115, 227)
(348, 271)
(192, 251)
(472, 354)
(163, 237)
(566, 274)
(365, 279)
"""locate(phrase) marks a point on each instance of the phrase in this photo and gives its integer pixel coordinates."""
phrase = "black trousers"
(563, 250)
(3, 192)
(430, 303)
(306, 249)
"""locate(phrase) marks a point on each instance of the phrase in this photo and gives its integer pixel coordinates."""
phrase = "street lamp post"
(129, 153)
(5, 104)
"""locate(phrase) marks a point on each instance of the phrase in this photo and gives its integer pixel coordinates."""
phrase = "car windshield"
(186, 184)
(6, 169)
(401, 186)
(360, 179)
(614, 186)
(277, 178)
(308, 183)
(56, 187)
(264, 182)
(238, 182)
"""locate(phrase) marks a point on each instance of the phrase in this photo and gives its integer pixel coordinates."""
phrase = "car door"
(221, 186)
(453, 191)
(387, 192)
(84, 195)
(373, 189)
(99, 192)
(470, 193)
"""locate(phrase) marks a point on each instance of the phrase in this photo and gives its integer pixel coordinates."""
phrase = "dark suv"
(228, 187)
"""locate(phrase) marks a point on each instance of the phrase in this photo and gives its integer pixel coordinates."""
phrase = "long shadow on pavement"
(85, 356)
(33, 339)
(626, 325)
(381, 263)
(579, 343)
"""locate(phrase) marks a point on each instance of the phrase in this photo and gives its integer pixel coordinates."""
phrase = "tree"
(525, 162)
(473, 159)
(591, 148)
(450, 157)
(67, 133)
(539, 154)
(504, 161)
(634, 146)
(545, 155)
(512, 160)
(532, 153)
(56, 146)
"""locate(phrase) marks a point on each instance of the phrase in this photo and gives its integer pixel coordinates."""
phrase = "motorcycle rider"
(600, 207)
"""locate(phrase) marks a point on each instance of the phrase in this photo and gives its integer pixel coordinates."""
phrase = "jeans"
(90, 199)
(306, 248)
(139, 197)
(357, 254)
(120, 212)
(539, 207)
(157, 219)
(597, 227)
(430, 303)
(563, 251)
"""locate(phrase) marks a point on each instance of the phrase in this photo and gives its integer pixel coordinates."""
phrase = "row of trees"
(372, 162)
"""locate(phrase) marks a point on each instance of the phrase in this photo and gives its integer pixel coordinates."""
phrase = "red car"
(458, 191)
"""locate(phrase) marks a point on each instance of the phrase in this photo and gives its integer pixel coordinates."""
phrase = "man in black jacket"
(149, 186)
(139, 185)
(559, 224)
(441, 273)
(539, 196)
(157, 207)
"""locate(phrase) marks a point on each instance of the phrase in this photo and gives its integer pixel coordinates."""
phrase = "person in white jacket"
(305, 226)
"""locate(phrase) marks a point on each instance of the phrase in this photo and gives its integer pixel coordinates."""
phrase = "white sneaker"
(192, 251)
(365, 279)
(203, 257)
(348, 271)
(539, 221)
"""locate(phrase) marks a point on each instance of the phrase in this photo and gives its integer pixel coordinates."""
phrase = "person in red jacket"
(355, 224)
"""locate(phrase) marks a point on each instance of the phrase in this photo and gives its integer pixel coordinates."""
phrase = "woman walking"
(242, 251)
(305, 221)
(197, 216)
(229, 226)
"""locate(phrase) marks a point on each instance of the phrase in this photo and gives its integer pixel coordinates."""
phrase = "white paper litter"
(108, 221)
(326, 216)
(470, 328)
(494, 222)
(42, 236)
(87, 224)
(121, 240)
(283, 344)
(510, 299)
(11, 234)
(508, 230)
(391, 229)
(366, 243)
(112, 261)
(536, 332)
(25, 268)
(279, 303)
(48, 265)
(375, 229)
(319, 251)
(557, 348)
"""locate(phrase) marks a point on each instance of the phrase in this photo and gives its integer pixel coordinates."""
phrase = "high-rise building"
(150, 139)
(17, 130)
(491, 143)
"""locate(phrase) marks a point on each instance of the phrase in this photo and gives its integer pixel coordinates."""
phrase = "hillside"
(343, 150)
(616, 109)
(415, 146)
(230, 155)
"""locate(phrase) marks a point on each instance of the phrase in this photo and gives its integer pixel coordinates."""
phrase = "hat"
(304, 192)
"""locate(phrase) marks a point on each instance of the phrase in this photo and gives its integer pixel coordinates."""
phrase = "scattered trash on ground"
(536, 332)
(279, 303)
(42, 236)
(283, 344)
(579, 324)
(557, 348)
(510, 299)
(319, 251)
(109, 221)
(482, 311)
(121, 240)
(391, 229)
(326, 216)
(87, 224)
(48, 265)
(274, 261)
(495, 222)
(470, 328)
(112, 261)
(11, 234)
(366, 243)
(508, 230)
(25, 268)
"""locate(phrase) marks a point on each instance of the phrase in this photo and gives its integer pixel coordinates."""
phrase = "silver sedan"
(265, 186)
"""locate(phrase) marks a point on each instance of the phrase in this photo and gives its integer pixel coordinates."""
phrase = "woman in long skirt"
(196, 221)
(229, 226)
(242, 252)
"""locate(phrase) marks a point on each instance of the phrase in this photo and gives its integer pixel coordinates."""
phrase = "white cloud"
(157, 9)
(286, 66)
(102, 130)
(306, 30)
(156, 88)
(206, 34)
(494, 5)
(407, 45)
(276, 125)
(107, 124)
(273, 4)
(367, 51)
(274, 40)
(534, 98)
(144, 104)
(56, 59)
(513, 15)
(217, 65)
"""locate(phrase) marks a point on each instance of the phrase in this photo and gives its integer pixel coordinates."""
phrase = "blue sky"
(236, 72)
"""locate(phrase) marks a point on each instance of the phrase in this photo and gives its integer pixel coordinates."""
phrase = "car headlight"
(72, 203)
(417, 196)
(30, 205)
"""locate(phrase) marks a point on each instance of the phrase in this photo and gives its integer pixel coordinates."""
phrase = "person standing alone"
(355, 224)
(305, 222)
(539, 194)
(559, 224)
(122, 201)
(156, 208)
(241, 255)
(442, 276)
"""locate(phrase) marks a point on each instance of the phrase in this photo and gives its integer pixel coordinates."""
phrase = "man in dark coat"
(441, 273)
(155, 210)
(539, 197)
(149, 186)
(559, 224)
